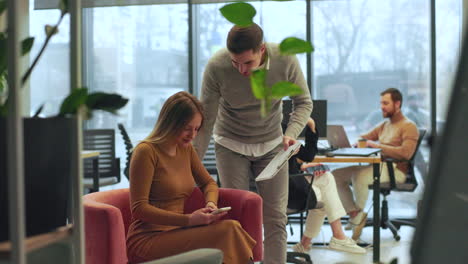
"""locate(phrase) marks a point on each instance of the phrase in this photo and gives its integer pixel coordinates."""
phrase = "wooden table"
(375, 161)
(94, 155)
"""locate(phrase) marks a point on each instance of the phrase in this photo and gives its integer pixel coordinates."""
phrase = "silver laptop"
(337, 137)
(338, 140)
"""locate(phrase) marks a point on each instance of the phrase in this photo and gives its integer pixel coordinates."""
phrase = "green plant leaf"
(73, 101)
(63, 5)
(50, 30)
(106, 102)
(240, 13)
(257, 81)
(283, 88)
(293, 45)
(3, 83)
(4, 108)
(26, 45)
(2, 6)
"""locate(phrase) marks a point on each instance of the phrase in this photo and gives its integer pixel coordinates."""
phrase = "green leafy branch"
(242, 14)
(78, 98)
(49, 31)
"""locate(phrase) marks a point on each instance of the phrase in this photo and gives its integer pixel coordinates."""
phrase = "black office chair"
(128, 149)
(408, 186)
(103, 141)
(298, 206)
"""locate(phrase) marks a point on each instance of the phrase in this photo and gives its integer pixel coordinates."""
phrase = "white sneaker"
(301, 249)
(346, 245)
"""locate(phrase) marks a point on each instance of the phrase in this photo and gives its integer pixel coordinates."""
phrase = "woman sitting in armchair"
(163, 171)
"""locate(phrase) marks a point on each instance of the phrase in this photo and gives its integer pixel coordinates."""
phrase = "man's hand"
(372, 144)
(288, 141)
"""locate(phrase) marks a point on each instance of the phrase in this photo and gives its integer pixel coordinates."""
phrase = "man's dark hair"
(242, 39)
(395, 94)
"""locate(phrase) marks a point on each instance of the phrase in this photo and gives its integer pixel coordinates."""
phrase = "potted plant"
(47, 144)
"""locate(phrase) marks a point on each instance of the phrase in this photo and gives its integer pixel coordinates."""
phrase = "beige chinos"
(235, 169)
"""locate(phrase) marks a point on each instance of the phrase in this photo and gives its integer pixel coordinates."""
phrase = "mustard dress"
(159, 186)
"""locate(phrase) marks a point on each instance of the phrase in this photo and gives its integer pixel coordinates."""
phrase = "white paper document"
(277, 162)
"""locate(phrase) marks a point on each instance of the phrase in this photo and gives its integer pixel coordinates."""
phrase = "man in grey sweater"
(246, 142)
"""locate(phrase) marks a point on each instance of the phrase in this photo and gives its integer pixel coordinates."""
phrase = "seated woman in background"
(325, 190)
(163, 172)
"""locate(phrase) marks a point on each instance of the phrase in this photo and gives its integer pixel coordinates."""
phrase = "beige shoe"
(357, 231)
(301, 249)
(346, 245)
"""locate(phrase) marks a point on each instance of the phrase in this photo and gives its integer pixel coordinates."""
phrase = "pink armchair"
(108, 215)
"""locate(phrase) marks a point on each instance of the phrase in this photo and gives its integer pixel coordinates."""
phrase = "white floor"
(400, 205)
(389, 248)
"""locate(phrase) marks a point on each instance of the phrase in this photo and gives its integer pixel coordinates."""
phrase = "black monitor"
(319, 114)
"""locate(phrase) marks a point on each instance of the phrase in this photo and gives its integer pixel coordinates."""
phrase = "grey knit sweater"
(234, 112)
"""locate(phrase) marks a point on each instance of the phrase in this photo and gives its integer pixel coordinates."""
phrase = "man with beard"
(397, 137)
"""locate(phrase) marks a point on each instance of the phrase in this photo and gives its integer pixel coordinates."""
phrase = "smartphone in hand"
(220, 210)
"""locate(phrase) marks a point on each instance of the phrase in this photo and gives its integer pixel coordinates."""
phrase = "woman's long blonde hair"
(176, 113)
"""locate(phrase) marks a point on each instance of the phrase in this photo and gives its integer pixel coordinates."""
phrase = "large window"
(50, 80)
(448, 43)
(364, 47)
(211, 28)
(140, 52)
(361, 48)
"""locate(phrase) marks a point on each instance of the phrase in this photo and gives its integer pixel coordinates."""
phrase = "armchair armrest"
(104, 233)
(246, 208)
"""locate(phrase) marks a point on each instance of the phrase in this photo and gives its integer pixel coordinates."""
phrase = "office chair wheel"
(397, 238)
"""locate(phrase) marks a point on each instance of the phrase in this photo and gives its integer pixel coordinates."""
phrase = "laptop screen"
(337, 137)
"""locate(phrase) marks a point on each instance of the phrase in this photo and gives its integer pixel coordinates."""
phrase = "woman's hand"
(317, 173)
(306, 165)
(211, 205)
(203, 216)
